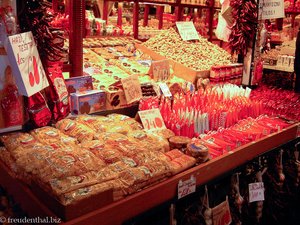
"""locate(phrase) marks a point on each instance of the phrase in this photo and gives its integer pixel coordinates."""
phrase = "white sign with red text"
(26, 64)
(186, 187)
(152, 119)
(256, 192)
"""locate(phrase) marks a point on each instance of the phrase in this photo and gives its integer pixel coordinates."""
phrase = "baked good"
(71, 183)
(164, 133)
(149, 141)
(49, 135)
(198, 150)
(173, 154)
(123, 119)
(74, 129)
(17, 139)
(182, 163)
(94, 122)
(84, 192)
(179, 142)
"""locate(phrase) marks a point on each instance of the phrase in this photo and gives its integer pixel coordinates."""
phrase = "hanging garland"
(245, 25)
(37, 17)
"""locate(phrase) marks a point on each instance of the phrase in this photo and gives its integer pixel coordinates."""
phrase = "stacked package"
(89, 155)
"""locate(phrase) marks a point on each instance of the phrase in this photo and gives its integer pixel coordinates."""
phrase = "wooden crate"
(180, 70)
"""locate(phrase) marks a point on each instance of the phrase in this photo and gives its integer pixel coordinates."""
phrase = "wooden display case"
(179, 69)
(118, 212)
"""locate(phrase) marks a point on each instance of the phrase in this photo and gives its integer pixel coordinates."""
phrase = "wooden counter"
(131, 206)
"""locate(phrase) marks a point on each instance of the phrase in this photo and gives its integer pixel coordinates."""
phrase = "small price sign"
(160, 70)
(256, 192)
(187, 31)
(26, 64)
(186, 187)
(152, 119)
(165, 90)
(132, 88)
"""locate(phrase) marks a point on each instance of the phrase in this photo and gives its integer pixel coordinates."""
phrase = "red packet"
(38, 110)
(57, 92)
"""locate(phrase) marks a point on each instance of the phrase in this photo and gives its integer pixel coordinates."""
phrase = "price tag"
(26, 64)
(165, 90)
(145, 62)
(186, 187)
(227, 15)
(132, 88)
(271, 9)
(160, 70)
(221, 214)
(256, 192)
(152, 119)
(187, 31)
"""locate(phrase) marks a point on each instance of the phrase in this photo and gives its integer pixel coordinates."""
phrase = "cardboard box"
(179, 69)
(116, 100)
(88, 102)
(79, 84)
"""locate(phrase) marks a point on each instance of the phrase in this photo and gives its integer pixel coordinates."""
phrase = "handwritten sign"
(187, 31)
(132, 88)
(271, 9)
(152, 119)
(221, 214)
(165, 90)
(26, 64)
(160, 70)
(256, 192)
(186, 187)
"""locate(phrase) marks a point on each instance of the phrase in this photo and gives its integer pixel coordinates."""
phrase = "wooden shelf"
(133, 205)
(278, 68)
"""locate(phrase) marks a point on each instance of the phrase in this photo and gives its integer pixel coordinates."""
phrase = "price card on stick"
(152, 119)
(187, 31)
(256, 192)
(132, 88)
(26, 64)
(165, 90)
(186, 187)
(160, 70)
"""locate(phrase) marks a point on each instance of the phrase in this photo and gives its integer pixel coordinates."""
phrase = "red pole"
(105, 10)
(136, 20)
(120, 8)
(77, 20)
(160, 11)
(146, 14)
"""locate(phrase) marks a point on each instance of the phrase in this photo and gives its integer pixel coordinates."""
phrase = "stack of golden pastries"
(199, 55)
(88, 155)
